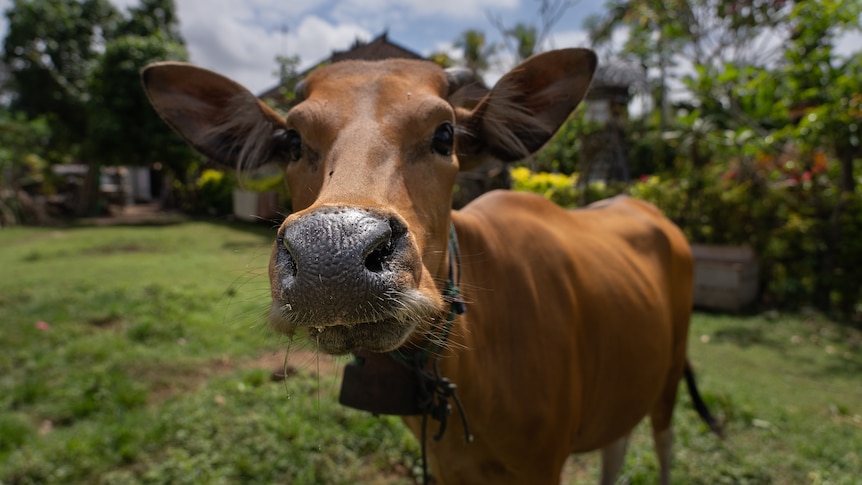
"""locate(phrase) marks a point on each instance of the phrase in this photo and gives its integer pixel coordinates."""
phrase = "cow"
(546, 331)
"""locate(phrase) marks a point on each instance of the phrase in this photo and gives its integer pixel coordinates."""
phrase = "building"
(606, 105)
(379, 48)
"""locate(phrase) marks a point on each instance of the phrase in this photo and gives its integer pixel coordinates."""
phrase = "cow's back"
(597, 298)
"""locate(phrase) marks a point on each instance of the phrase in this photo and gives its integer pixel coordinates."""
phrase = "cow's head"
(371, 154)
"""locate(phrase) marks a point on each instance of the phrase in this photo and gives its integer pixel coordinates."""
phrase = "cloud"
(849, 43)
(568, 38)
(232, 39)
(390, 11)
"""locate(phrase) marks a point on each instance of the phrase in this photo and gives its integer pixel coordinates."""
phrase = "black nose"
(341, 264)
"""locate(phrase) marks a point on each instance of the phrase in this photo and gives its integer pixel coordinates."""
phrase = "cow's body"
(568, 349)
(576, 321)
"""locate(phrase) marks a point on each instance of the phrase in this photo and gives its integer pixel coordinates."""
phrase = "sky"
(241, 38)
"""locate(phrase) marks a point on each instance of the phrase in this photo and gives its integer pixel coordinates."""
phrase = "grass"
(135, 355)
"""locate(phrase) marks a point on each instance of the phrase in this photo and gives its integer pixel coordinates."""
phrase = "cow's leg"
(613, 457)
(664, 449)
(661, 419)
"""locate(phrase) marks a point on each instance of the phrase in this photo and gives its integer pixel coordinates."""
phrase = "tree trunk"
(88, 200)
(845, 157)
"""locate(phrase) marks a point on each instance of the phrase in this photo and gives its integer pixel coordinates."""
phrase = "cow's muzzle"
(349, 276)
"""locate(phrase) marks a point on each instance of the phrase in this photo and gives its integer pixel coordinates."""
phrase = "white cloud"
(315, 39)
(569, 38)
(850, 43)
(232, 38)
(389, 10)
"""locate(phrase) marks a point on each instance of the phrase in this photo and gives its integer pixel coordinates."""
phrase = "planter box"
(253, 206)
(725, 277)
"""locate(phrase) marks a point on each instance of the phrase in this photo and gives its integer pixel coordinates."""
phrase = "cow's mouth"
(338, 335)
(377, 336)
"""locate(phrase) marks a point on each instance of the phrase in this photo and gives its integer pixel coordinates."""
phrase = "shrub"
(214, 192)
(806, 233)
(561, 189)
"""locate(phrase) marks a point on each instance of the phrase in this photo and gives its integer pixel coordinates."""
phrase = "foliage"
(289, 78)
(153, 17)
(477, 53)
(214, 192)
(211, 192)
(76, 63)
(776, 206)
(23, 168)
(50, 49)
(561, 189)
(764, 149)
(20, 138)
(124, 128)
(562, 152)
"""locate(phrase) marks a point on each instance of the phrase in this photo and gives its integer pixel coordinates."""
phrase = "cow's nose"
(340, 261)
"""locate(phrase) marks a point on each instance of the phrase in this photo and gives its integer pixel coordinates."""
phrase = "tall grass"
(132, 355)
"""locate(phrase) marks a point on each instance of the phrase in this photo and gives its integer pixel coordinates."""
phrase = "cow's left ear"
(216, 115)
(526, 107)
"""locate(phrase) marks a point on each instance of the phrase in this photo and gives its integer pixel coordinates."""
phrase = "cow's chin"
(412, 315)
(380, 336)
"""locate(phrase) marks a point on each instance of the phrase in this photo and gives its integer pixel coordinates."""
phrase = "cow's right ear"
(526, 107)
(217, 116)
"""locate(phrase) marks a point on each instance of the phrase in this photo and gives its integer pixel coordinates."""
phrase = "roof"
(379, 48)
(619, 73)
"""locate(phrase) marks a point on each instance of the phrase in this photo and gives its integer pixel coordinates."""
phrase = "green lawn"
(141, 355)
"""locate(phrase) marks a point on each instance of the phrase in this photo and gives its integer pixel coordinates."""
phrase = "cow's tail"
(699, 405)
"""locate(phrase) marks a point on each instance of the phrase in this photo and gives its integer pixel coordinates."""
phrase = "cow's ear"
(526, 107)
(217, 116)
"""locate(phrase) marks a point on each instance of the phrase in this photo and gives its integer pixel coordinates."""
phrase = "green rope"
(452, 293)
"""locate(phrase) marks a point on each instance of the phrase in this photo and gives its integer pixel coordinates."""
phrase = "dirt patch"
(170, 381)
(301, 360)
(106, 322)
(118, 249)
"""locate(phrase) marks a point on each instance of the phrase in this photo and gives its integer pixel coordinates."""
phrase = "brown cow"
(576, 321)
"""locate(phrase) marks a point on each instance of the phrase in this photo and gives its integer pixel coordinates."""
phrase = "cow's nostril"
(377, 258)
(285, 258)
(383, 250)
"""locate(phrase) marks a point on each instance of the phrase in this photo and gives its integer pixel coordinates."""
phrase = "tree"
(527, 39)
(154, 17)
(708, 35)
(477, 54)
(77, 63)
(288, 78)
(123, 128)
(50, 50)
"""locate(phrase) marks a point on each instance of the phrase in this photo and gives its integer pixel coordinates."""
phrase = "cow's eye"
(444, 139)
(288, 144)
